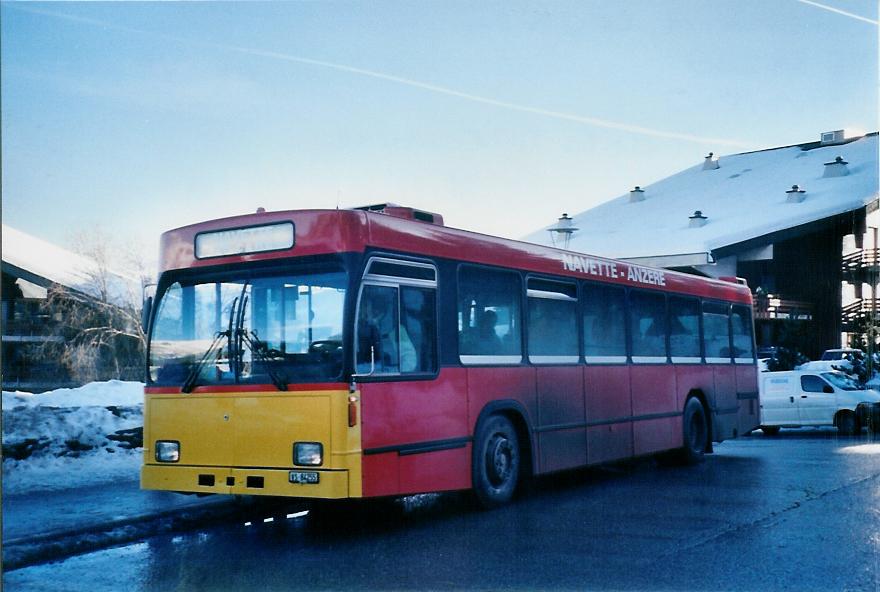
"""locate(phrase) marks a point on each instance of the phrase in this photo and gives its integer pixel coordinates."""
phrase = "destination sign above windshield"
(240, 241)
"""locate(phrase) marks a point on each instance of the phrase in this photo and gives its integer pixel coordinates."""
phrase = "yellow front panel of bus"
(202, 425)
(252, 435)
(267, 426)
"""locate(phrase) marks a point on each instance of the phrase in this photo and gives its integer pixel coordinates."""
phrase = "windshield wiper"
(241, 336)
(258, 350)
(236, 354)
(193, 376)
(236, 336)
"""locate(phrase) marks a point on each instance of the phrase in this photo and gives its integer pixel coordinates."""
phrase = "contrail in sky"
(487, 100)
(838, 11)
(593, 121)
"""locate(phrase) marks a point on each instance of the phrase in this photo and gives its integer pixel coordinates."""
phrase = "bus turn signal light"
(352, 412)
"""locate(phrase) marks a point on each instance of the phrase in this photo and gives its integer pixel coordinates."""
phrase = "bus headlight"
(308, 453)
(167, 451)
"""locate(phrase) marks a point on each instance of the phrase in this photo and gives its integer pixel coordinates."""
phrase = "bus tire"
(848, 423)
(695, 430)
(496, 462)
(770, 430)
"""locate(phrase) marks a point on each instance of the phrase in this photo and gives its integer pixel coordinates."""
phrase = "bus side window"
(489, 314)
(716, 333)
(647, 314)
(553, 334)
(743, 344)
(604, 324)
(684, 330)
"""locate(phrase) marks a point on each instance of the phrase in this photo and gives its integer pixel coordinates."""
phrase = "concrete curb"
(29, 550)
(109, 524)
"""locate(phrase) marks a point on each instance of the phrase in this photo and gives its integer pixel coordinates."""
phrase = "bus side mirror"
(828, 389)
(145, 312)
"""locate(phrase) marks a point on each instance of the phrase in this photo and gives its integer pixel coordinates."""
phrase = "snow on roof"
(744, 198)
(60, 266)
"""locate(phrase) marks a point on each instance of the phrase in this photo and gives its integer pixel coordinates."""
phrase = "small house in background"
(43, 285)
(797, 222)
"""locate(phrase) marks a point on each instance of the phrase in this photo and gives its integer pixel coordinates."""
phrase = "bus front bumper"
(227, 480)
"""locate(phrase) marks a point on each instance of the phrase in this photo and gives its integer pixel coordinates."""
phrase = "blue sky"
(499, 115)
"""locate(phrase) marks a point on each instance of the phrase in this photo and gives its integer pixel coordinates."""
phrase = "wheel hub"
(499, 459)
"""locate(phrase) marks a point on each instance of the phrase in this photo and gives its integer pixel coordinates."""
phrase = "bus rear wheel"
(496, 462)
(695, 432)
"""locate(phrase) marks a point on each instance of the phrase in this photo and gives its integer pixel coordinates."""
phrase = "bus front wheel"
(695, 432)
(496, 462)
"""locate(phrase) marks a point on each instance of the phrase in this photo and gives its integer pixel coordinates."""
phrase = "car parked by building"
(842, 359)
(810, 398)
(843, 353)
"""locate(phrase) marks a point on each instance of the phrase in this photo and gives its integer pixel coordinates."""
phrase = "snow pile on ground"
(72, 437)
(111, 393)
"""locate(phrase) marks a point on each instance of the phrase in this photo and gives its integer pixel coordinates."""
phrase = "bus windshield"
(270, 328)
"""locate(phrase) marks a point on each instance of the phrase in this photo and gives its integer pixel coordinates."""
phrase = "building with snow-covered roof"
(790, 220)
(31, 268)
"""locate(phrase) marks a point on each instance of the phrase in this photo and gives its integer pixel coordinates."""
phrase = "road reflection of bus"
(375, 352)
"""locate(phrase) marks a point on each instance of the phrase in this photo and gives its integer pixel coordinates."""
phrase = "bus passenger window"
(743, 345)
(552, 331)
(684, 330)
(604, 325)
(489, 316)
(647, 315)
(716, 333)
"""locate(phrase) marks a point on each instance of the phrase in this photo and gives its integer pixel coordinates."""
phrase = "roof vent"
(637, 194)
(396, 211)
(697, 220)
(710, 163)
(795, 194)
(837, 168)
(562, 231)
(835, 137)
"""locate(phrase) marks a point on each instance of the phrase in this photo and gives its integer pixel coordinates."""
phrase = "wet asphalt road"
(800, 511)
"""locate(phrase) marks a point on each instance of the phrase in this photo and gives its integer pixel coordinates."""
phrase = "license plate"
(309, 477)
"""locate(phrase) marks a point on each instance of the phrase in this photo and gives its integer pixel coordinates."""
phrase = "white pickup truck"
(807, 398)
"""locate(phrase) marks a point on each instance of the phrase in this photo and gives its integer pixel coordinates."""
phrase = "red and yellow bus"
(375, 352)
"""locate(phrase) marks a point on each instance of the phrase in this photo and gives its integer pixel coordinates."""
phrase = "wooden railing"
(862, 259)
(774, 307)
(864, 307)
